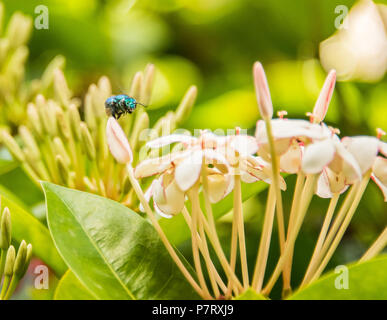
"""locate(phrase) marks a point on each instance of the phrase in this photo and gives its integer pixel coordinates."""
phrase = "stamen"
(282, 113)
(380, 133)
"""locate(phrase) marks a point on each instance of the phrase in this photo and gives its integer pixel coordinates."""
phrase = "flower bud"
(322, 103)
(60, 149)
(87, 141)
(29, 142)
(135, 89)
(34, 120)
(62, 169)
(146, 88)
(12, 146)
(27, 260)
(6, 229)
(20, 260)
(61, 89)
(141, 123)
(9, 261)
(186, 104)
(262, 91)
(48, 75)
(117, 142)
(75, 121)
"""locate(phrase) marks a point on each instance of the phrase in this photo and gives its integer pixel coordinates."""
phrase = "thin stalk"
(276, 173)
(264, 244)
(163, 237)
(322, 235)
(344, 226)
(379, 244)
(237, 286)
(241, 230)
(194, 198)
(6, 282)
(307, 195)
(287, 272)
(203, 247)
(233, 250)
(210, 229)
(332, 232)
(12, 287)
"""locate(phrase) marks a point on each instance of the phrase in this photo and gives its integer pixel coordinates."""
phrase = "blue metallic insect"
(118, 105)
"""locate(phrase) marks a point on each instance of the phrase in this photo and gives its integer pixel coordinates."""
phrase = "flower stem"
(233, 250)
(210, 229)
(322, 235)
(292, 216)
(344, 226)
(194, 198)
(12, 286)
(306, 197)
(376, 247)
(215, 279)
(163, 237)
(332, 231)
(241, 231)
(264, 244)
(276, 173)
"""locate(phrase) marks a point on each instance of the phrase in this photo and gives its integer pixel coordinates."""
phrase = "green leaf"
(70, 288)
(113, 251)
(27, 227)
(177, 230)
(366, 281)
(250, 294)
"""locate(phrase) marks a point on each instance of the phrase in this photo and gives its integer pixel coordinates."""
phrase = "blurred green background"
(213, 44)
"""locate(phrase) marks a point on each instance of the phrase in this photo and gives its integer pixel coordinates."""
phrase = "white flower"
(358, 51)
(365, 150)
(290, 137)
(117, 142)
(341, 171)
(182, 169)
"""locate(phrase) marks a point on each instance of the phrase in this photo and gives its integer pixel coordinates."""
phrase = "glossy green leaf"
(366, 281)
(26, 226)
(250, 294)
(70, 288)
(177, 230)
(113, 251)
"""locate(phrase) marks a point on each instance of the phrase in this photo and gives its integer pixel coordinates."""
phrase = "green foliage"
(70, 288)
(250, 294)
(26, 226)
(114, 252)
(366, 281)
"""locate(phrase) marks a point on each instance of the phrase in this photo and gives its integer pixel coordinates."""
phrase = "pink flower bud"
(262, 91)
(117, 142)
(322, 103)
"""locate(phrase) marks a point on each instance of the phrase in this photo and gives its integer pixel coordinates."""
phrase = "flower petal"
(188, 171)
(150, 167)
(290, 161)
(317, 156)
(172, 138)
(364, 149)
(117, 142)
(322, 103)
(218, 186)
(323, 188)
(244, 145)
(379, 175)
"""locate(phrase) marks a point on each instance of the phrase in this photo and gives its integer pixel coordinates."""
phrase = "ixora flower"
(358, 50)
(179, 171)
